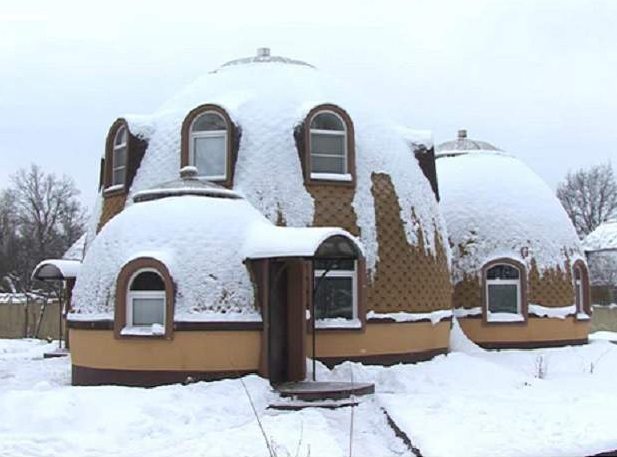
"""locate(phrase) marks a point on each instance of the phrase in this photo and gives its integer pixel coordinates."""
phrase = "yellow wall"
(535, 330)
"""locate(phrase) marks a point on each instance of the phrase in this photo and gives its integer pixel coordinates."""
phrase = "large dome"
(267, 98)
(496, 206)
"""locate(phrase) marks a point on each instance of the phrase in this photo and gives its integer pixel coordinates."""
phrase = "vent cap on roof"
(263, 56)
(463, 145)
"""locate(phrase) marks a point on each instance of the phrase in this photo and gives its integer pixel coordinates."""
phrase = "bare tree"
(589, 196)
(40, 218)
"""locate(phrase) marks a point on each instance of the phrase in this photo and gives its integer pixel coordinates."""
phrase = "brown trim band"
(185, 326)
(385, 359)
(389, 320)
(85, 376)
(531, 344)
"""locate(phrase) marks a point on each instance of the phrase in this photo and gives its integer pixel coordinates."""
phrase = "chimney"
(263, 52)
(462, 134)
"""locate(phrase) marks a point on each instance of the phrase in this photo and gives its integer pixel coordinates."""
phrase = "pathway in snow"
(472, 403)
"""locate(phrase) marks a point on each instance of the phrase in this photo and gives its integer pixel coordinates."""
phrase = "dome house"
(261, 216)
(519, 271)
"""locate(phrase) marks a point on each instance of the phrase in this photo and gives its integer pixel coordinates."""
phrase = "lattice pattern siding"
(112, 205)
(552, 288)
(406, 278)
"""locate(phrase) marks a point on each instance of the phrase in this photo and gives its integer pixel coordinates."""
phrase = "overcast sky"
(536, 78)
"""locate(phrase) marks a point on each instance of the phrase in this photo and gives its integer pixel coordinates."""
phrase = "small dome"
(463, 145)
(187, 184)
(263, 56)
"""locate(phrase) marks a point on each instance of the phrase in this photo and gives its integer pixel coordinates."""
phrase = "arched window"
(503, 290)
(146, 299)
(208, 146)
(119, 157)
(335, 287)
(328, 145)
(580, 287)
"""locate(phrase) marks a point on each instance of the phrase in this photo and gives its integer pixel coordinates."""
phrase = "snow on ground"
(470, 403)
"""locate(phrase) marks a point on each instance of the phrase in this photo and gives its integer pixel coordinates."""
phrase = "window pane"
(334, 298)
(327, 121)
(119, 157)
(335, 264)
(336, 246)
(210, 154)
(118, 177)
(577, 273)
(502, 272)
(148, 311)
(502, 298)
(327, 165)
(120, 136)
(332, 145)
(148, 280)
(209, 121)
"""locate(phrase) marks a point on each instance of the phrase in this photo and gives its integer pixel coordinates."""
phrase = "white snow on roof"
(495, 206)
(57, 269)
(203, 241)
(76, 250)
(603, 237)
(267, 101)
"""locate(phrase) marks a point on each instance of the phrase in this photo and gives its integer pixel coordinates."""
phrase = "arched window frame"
(123, 327)
(522, 305)
(358, 281)
(231, 143)
(581, 289)
(111, 164)
(345, 179)
(135, 294)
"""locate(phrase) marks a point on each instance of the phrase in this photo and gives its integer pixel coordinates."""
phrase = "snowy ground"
(553, 402)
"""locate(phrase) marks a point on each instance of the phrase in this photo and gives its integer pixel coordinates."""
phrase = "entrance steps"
(331, 395)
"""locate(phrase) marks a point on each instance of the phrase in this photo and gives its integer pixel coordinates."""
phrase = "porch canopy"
(56, 269)
(276, 242)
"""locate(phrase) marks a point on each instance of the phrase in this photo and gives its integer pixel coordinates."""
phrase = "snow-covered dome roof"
(496, 206)
(604, 237)
(267, 98)
(203, 241)
(463, 145)
(263, 56)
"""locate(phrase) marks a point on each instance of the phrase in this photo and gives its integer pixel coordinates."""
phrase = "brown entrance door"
(287, 321)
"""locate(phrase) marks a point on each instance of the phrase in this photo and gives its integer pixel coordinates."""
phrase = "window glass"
(119, 157)
(503, 298)
(502, 272)
(327, 121)
(118, 176)
(148, 280)
(148, 311)
(120, 137)
(328, 164)
(328, 145)
(209, 155)
(208, 122)
(334, 298)
(335, 264)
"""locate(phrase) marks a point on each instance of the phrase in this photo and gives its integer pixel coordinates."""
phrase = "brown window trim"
(523, 279)
(122, 284)
(586, 308)
(233, 140)
(136, 148)
(304, 146)
(108, 189)
(361, 281)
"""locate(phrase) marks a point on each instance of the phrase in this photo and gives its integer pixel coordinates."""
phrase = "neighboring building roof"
(495, 206)
(604, 237)
(203, 241)
(76, 250)
(268, 98)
